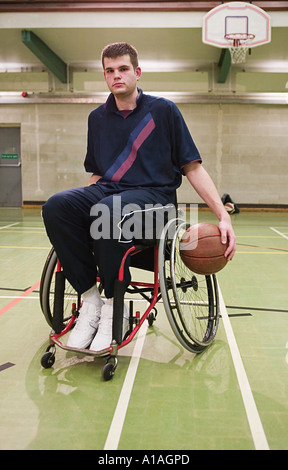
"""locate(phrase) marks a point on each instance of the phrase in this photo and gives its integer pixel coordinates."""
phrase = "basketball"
(201, 249)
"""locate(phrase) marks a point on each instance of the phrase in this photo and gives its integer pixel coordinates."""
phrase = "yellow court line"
(258, 236)
(26, 247)
(22, 231)
(262, 252)
(237, 252)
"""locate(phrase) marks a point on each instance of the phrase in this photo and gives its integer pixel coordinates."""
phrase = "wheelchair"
(190, 300)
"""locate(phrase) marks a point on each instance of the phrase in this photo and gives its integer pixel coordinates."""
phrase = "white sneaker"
(86, 326)
(103, 337)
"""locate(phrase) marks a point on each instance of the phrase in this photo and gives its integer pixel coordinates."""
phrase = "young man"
(138, 149)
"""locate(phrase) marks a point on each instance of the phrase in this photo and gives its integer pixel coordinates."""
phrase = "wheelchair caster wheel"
(47, 360)
(151, 317)
(108, 370)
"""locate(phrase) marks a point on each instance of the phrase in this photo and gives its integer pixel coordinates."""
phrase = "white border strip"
(257, 431)
(116, 426)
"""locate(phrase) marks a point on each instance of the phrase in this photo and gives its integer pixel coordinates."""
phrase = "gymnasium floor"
(233, 396)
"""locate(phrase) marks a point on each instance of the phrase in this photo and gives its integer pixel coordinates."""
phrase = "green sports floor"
(234, 396)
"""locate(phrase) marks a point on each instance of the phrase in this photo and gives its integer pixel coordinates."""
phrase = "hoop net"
(238, 46)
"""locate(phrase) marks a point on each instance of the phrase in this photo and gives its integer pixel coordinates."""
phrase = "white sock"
(92, 296)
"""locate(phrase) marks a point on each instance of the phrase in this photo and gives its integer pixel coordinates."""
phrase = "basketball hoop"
(238, 46)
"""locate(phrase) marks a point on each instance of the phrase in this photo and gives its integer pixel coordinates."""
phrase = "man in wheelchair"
(137, 151)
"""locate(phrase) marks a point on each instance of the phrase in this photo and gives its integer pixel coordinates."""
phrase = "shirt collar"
(110, 104)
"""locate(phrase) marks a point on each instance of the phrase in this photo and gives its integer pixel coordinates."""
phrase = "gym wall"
(243, 146)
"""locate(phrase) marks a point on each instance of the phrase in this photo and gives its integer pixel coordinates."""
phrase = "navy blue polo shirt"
(146, 149)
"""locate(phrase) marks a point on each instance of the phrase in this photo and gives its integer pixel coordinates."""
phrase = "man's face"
(120, 75)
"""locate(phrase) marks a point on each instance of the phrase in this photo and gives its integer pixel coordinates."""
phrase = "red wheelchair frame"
(190, 301)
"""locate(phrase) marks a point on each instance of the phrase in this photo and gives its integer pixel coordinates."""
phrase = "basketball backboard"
(243, 19)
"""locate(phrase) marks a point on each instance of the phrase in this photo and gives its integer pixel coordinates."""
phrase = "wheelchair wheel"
(190, 300)
(47, 291)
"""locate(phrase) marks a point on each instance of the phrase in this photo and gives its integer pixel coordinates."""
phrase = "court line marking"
(10, 225)
(117, 423)
(279, 233)
(18, 299)
(256, 427)
(7, 365)
(18, 229)
(26, 247)
(257, 431)
(262, 252)
(27, 231)
(257, 236)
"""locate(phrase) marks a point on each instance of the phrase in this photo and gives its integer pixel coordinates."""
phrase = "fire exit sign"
(9, 156)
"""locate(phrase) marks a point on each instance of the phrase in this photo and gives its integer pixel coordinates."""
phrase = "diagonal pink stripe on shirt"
(135, 147)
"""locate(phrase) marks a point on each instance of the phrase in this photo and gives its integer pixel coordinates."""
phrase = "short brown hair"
(117, 49)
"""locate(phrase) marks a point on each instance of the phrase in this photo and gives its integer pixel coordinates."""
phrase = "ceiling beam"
(51, 60)
(224, 65)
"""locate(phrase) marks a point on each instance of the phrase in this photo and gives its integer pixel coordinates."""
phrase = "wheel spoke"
(190, 300)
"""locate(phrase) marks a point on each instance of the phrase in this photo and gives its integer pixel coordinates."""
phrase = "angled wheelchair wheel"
(190, 300)
(47, 291)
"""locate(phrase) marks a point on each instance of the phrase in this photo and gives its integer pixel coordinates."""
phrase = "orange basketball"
(201, 249)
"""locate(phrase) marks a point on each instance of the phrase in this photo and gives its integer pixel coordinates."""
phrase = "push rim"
(190, 300)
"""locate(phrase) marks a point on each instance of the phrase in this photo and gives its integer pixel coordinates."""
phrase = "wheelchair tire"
(108, 372)
(47, 360)
(47, 291)
(190, 300)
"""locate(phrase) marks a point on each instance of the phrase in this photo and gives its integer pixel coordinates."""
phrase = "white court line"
(257, 431)
(40, 227)
(279, 233)
(18, 297)
(10, 225)
(116, 426)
